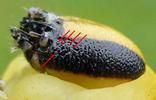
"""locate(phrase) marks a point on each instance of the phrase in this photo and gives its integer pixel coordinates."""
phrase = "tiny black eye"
(59, 21)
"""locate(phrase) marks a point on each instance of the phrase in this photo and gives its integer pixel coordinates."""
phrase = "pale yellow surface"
(25, 84)
(87, 81)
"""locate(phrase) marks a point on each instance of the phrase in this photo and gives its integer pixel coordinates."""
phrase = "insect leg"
(3, 95)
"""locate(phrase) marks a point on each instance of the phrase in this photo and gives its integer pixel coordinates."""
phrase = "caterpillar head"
(38, 29)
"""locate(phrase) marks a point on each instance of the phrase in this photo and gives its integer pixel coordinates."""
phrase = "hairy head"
(37, 28)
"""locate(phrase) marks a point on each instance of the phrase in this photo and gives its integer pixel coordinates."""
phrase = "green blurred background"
(135, 18)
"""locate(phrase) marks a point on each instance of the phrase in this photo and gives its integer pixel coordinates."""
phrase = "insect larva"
(39, 34)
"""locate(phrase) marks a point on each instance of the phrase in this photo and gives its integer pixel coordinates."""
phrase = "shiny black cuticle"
(96, 58)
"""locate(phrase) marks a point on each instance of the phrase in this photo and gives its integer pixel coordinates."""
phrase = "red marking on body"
(68, 37)
(74, 46)
(52, 56)
(60, 40)
(75, 38)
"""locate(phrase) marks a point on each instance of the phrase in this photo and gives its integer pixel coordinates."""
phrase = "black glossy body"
(94, 58)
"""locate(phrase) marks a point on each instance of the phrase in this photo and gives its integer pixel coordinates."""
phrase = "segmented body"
(39, 36)
(94, 58)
